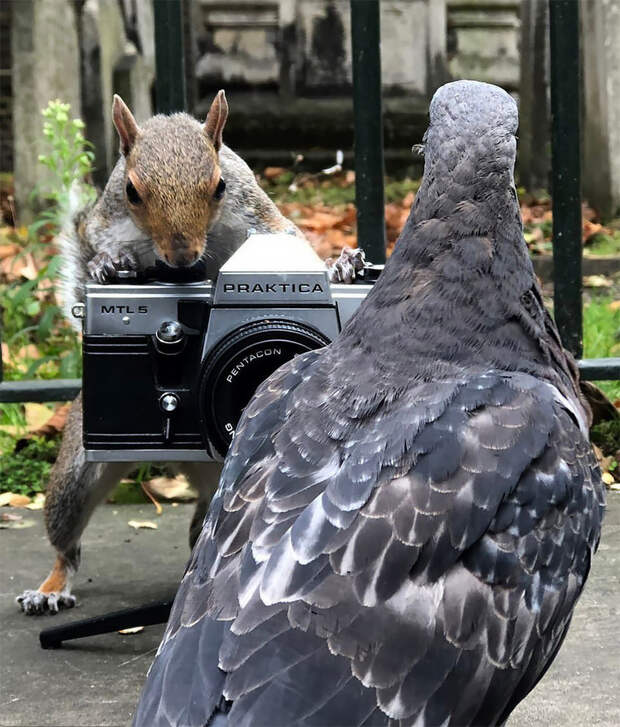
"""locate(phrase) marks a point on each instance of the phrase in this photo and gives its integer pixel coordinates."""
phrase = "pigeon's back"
(406, 518)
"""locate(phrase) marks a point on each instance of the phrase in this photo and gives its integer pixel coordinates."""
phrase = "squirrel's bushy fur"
(164, 199)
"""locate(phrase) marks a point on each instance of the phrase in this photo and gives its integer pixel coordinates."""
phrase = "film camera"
(168, 368)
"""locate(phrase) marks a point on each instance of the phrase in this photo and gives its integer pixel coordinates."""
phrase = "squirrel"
(177, 195)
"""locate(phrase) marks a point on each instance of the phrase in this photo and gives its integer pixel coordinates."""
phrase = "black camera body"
(168, 367)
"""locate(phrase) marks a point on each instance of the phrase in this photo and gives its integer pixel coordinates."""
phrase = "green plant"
(69, 160)
(601, 325)
(26, 471)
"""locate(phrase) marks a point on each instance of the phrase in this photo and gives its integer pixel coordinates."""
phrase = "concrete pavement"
(95, 682)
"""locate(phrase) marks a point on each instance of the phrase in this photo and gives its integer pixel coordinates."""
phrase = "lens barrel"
(239, 364)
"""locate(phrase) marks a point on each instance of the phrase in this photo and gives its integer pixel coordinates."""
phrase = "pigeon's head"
(473, 107)
(472, 126)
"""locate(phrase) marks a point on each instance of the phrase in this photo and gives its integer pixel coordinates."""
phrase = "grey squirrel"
(178, 195)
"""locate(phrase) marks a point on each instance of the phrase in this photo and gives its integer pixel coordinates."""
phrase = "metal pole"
(566, 171)
(169, 56)
(368, 113)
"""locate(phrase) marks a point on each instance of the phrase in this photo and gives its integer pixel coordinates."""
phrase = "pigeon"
(406, 517)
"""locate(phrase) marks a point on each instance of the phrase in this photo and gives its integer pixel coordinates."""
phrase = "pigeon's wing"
(412, 558)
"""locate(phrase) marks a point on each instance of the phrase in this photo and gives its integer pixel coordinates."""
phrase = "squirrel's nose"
(181, 255)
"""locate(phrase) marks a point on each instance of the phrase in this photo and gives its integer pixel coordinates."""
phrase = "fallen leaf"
(37, 503)
(273, 172)
(15, 524)
(36, 415)
(597, 281)
(56, 422)
(170, 488)
(13, 500)
(145, 524)
(9, 250)
(132, 630)
(10, 517)
(614, 306)
(608, 478)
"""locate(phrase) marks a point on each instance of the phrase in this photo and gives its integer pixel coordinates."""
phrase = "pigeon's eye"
(220, 189)
(132, 193)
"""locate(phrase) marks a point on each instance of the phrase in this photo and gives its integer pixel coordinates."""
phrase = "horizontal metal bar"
(592, 369)
(40, 390)
(600, 369)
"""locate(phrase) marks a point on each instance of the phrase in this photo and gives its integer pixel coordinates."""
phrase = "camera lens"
(239, 364)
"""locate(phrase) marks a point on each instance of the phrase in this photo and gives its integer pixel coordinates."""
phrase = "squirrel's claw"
(127, 261)
(103, 267)
(37, 602)
(344, 270)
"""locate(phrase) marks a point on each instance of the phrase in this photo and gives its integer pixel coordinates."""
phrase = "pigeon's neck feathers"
(459, 291)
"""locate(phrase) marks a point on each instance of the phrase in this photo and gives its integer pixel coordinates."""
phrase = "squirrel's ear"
(125, 124)
(216, 119)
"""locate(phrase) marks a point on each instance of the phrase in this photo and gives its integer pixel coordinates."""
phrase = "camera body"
(168, 367)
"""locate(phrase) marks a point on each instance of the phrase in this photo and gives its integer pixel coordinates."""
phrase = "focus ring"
(239, 364)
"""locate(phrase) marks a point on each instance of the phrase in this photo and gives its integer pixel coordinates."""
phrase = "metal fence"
(369, 166)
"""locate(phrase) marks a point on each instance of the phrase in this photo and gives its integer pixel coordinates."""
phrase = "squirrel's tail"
(74, 249)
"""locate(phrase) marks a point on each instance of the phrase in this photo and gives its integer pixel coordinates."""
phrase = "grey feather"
(406, 518)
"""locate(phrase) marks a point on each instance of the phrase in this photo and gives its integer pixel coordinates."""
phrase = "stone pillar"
(45, 66)
(111, 63)
(534, 113)
(600, 23)
(483, 41)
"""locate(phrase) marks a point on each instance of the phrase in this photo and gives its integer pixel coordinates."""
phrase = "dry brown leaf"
(5, 498)
(321, 221)
(589, 229)
(19, 266)
(38, 503)
(171, 488)
(37, 415)
(56, 422)
(9, 250)
(142, 524)
(273, 172)
(408, 201)
(16, 500)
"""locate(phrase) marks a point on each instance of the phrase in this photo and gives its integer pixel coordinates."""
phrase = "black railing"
(365, 30)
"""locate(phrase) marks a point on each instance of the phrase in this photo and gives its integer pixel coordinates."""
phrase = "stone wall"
(286, 66)
(80, 52)
(303, 48)
(601, 129)
(45, 63)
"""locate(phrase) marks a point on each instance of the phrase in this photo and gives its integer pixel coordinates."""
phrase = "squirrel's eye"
(132, 193)
(220, 189)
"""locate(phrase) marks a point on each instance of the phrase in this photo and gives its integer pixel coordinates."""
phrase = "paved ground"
(95, 682)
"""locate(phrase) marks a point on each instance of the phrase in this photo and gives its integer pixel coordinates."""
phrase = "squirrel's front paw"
(103, 267)
(346, 267)
(37, 602)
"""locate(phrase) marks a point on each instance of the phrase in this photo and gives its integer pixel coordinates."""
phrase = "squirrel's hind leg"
(74, 490)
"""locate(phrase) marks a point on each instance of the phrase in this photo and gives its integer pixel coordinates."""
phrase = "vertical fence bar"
(169, 56)
(368, 113)
(566, 171)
